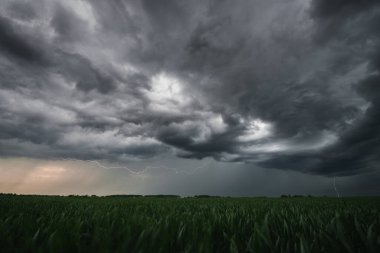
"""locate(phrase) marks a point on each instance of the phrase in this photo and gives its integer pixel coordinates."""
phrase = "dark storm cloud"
(13, 44)
(81, 71)
(333, 15)
(357, 149)
(22, 10)
(67, 25)
(326, 8)
(284, 84)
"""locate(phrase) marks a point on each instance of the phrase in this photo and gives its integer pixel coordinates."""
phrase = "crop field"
(153, 224)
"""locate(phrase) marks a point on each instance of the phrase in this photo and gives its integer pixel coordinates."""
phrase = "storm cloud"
(291, 85)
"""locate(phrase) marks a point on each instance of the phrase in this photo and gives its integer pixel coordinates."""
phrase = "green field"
(149, 224)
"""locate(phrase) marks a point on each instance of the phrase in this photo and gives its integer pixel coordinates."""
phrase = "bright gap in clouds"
(256, 130)
(292, 145)
(167, 95)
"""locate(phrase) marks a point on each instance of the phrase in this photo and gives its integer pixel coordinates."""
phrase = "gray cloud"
(14, 45)
(281, 84)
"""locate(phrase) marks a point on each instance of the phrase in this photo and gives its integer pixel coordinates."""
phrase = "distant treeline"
(297, 196)
(154, 196)
(140, 196)
(158, 196)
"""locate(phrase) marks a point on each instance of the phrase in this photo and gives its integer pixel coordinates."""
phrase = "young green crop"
(141, 224)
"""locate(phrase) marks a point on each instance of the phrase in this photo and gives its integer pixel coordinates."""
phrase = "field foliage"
(150, 224)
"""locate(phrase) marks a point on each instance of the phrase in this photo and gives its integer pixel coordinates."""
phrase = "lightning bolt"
(337, 193)
(141, 172)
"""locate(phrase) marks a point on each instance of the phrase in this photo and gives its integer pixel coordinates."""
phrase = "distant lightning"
(140, 172)
(337, 193)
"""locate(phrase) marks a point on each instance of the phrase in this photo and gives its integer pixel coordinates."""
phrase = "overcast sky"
(190, 97)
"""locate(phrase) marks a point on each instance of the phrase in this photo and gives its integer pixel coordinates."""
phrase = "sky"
(219, 97)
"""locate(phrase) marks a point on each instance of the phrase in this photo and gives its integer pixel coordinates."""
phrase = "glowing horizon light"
(48, 172)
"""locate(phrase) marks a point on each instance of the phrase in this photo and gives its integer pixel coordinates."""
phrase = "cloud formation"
(289, 85)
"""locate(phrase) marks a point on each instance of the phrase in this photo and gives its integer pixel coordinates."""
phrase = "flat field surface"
(149, 224)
